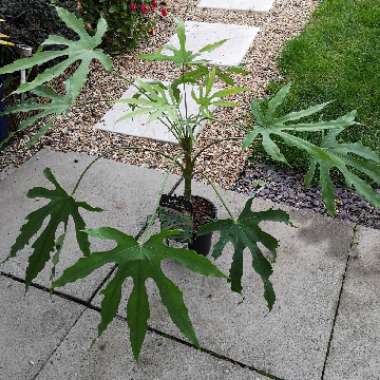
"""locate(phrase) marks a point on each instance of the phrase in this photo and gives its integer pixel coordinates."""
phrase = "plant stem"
(218, 195)
(88, 167)
(142, 239)
(187, 192)
(188, 167)
(184, 92)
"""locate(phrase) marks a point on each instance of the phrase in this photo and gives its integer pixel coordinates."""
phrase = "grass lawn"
(337, 57)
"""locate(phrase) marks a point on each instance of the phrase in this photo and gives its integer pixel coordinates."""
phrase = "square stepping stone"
(110, 357)
(231, 53)
(140, 126)
(291, 341)
(31, 328)
(126, 193)
(239, 5)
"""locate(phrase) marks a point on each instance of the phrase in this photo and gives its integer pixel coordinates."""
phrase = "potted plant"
(169, 103)
(140, 257)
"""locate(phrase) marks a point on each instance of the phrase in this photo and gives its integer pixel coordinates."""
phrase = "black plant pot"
(201, 211)
(201, 244)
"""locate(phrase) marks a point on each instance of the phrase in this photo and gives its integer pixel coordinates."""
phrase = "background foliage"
(337, 58)
(31, 21)
(129, 21)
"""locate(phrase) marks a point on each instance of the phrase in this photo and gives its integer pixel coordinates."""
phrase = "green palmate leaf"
(229, 91)
(173, 219)
(192, 76)
(294, 116)
(83, 50)
(330, 155)
(171, 103)
(258, 113)
(206, 98)
(344, 156)
(140, 261)
(181, 56)
(201, 72)
(245, 232)
(57, 105)
(58, 249)
(56, 213)
(154, 99)
(224, 74)
(181, 34)
(278, 99)
(211, 47)
(237, 70)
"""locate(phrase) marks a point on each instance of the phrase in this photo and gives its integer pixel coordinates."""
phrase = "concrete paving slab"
(239, 5)
(355, 348)
(126, 193)
(140, 126)
(291, 341)
(31, 327)
(110, 358)
(231, 53)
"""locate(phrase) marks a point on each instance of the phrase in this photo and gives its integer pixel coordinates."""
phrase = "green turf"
(337, 57)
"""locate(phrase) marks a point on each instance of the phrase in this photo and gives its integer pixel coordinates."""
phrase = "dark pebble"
(286, 186)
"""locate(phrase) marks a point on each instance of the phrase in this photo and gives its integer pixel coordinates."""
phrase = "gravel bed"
(286, 186)
(223, 163)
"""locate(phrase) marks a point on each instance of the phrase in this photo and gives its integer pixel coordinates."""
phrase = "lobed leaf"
(83, 50)
(330, 155)
(180, 56)
(245, 232)
(213, 46)
(55, 213)
(140, 261)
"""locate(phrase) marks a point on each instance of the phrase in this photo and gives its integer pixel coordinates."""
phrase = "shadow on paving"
(290, 342)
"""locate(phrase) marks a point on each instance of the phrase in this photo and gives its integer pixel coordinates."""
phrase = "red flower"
(133, 7)
(154, 4)
(144, 9)
(164, 11)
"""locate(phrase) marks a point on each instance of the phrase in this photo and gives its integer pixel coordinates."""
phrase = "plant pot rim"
(175, 196)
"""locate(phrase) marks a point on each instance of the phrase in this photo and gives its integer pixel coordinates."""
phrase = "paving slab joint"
(214, 354)
(54, 292)
(59, 343)
(350, 256)
(88, 305)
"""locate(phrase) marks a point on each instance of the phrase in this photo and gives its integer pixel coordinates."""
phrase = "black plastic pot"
(200, 244)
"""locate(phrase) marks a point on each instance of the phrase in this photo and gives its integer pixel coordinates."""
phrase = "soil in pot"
(176, 212)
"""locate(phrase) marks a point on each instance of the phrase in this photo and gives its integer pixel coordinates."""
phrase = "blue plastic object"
(4, 122)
